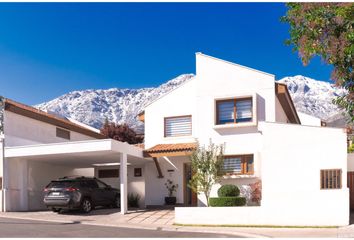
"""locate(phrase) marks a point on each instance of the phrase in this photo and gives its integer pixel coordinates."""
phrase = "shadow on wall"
(235, 130)
(260, 108)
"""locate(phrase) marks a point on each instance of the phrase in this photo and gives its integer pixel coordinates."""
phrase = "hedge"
(228, 190)
(227, 201)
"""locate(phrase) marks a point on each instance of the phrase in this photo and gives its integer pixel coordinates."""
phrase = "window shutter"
(233, 164)
(178, 126)
(226, 112)
(244, 109)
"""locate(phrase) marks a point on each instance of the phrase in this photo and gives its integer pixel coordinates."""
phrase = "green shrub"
(133, 200)
(228, 191)
(227, 201)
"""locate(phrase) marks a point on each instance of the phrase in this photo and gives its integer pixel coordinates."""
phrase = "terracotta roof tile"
(177, 147)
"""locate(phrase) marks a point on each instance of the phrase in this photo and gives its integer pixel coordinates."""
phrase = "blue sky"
(49, 49)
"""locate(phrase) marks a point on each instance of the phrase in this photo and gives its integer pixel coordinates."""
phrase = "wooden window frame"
(60, 131)
(333, 174)
(180, 135)
(235, 109)
(138, 172)
(114, 170)
(244, 160)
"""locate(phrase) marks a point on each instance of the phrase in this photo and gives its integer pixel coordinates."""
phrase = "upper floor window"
(178, 126)
(240, 164)
(331, 179)
(62, 133)
(234, 110)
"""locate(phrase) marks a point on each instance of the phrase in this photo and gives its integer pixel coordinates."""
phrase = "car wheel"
(86, 205)
(56, 210)
(116, 203)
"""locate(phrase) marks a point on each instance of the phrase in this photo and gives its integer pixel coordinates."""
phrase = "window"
(108, 173)
(101, 184)
(92, 184)
(62, 133)
(178, 126)
(241, 164)
(234, 111)
(137, 172)
(331, 179)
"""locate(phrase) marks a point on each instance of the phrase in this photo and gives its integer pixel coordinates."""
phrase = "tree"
(326, 30)
(121, 133)
(206, 164)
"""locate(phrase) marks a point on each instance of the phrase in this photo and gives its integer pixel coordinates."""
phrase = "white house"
(302, 168)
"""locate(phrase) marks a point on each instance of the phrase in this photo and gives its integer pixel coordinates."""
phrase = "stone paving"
(151, 218)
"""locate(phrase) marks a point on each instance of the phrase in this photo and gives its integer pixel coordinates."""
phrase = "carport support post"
(123, 176)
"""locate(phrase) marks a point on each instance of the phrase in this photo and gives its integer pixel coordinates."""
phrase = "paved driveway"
(107, 217)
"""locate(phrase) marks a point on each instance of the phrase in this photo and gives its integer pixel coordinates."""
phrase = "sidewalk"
(163, 220)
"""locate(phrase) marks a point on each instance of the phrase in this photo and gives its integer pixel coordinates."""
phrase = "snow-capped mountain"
(313, 97)
(92, 107)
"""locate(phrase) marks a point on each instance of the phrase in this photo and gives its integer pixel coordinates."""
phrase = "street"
(10, 227)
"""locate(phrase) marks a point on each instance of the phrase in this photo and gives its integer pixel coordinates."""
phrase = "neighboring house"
(37, 147)
(302, 168)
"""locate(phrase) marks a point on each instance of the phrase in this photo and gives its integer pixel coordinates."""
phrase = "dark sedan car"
(79, 193)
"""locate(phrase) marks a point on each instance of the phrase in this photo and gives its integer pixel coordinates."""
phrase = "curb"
(157, 228)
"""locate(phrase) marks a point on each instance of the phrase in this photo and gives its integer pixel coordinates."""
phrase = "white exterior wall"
(136, 185)
(27, 179)
(180, 102)
(292, 158)
(309, 120)
(291, 193)
(86, 172)
(155, 188)
(21, 130)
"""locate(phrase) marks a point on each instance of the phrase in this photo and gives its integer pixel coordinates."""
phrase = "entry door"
(190, 197)
(351, 189)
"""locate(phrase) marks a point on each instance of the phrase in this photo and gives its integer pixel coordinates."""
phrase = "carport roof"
(79, 153)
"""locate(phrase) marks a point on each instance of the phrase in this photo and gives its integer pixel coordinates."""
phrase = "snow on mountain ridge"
(313, 97)
(118, 105)
(93, 106)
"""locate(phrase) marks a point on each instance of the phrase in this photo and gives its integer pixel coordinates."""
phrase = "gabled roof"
(283, 95)
(34, 113)
(232, 63)
(177, 149)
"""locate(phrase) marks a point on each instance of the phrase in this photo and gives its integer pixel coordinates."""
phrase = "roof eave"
(283, 95)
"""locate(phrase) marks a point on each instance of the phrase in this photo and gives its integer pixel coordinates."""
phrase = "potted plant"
(171, 188)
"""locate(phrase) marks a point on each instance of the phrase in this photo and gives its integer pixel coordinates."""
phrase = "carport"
(23, 164)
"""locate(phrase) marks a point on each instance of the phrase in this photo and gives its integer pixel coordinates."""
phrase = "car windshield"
(61, 184)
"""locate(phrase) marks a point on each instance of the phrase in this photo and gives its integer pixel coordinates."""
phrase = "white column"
(123, 176)
(23, 179)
